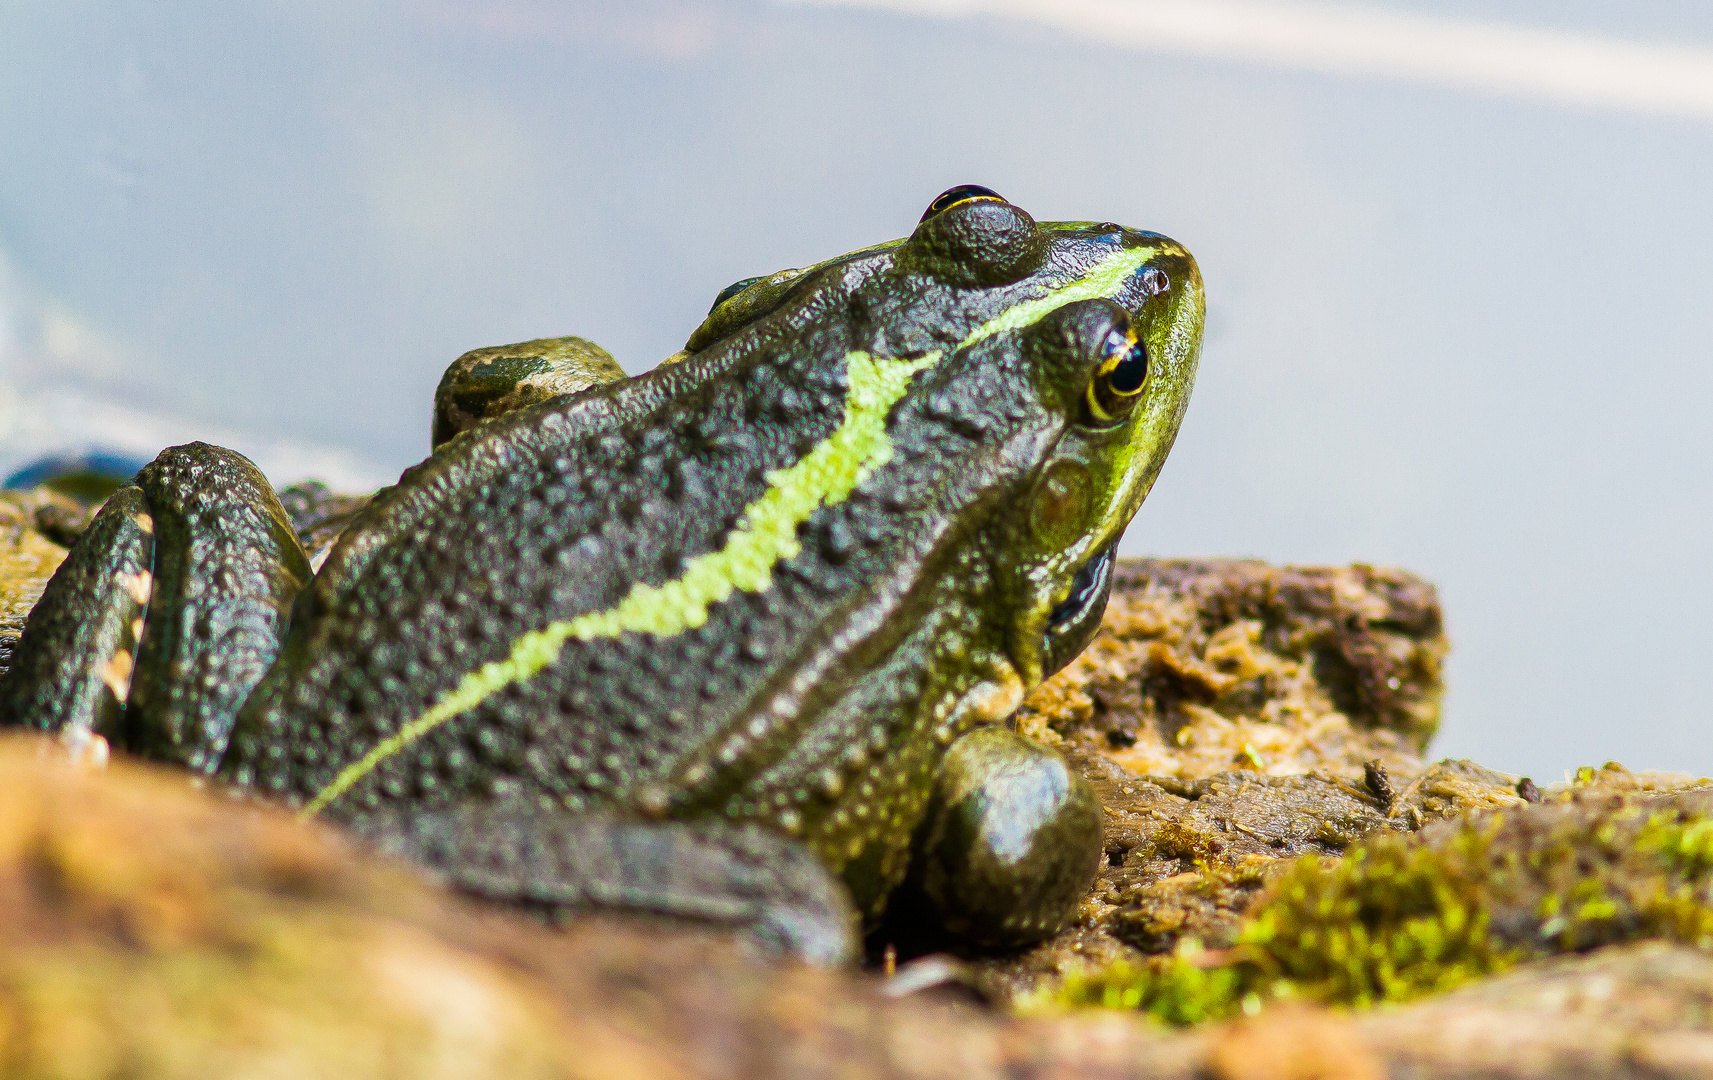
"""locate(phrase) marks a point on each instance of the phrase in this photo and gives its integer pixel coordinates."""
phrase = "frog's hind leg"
(200, 549)
(71, 673)
(228, 567)
(740, 876)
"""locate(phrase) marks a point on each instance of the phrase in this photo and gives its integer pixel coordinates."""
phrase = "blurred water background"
(1457, 257)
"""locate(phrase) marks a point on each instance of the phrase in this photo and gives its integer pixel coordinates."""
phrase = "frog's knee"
(484, 383)
(1012, 841)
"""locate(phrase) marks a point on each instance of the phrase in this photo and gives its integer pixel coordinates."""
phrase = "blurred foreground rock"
(1246, 725)
(155, 930)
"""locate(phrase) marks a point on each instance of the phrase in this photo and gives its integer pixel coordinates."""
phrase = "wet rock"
(155, 929)
(1234, 716)
(1613, 859)
(1623, 1013)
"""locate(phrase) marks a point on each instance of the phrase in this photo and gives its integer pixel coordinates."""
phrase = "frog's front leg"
(738, 875)
(1011, 842)
(165, 614)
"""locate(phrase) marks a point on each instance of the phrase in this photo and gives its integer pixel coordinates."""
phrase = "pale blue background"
(1449, 331)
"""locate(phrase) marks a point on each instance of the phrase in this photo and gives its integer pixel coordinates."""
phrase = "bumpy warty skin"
(226, 568)
(828, 683)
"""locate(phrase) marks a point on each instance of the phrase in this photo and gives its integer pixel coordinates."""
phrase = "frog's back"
(613, 581)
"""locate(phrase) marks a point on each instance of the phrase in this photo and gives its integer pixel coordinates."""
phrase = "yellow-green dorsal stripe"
(764, 537)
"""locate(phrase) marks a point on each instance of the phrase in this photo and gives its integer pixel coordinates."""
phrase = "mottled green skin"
(921, 605)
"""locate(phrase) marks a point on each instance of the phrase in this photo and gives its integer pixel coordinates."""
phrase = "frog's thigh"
(744, 877)
(72, 669)
(1012, 840)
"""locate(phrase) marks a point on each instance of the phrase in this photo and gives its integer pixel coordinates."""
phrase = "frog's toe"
(744, 877)
(1012, 841)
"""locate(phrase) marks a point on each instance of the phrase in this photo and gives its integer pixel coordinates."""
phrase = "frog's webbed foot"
(739, 876)
(1011, 842)
(165, 614)
(485, 383)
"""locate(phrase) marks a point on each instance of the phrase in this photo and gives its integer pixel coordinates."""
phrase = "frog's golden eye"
(963, 193)
(1118, 380)
(732, 290)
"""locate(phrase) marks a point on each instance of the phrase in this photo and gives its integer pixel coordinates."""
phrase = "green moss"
(1179, 990)
(1389, 922)
(1685, 845)
(1402, 917)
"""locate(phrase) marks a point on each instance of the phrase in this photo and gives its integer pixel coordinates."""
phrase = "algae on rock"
(1233, 716)
(1614, 858)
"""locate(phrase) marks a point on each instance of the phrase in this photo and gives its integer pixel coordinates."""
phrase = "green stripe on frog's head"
(766, 532)
(1124, 367)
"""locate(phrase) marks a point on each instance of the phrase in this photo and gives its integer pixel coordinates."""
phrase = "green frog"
(736, 639)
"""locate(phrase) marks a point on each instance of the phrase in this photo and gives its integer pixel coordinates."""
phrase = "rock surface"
(1233, 716)
(35, 529)
(156, 930)
(1204, 666)
(1256, 734)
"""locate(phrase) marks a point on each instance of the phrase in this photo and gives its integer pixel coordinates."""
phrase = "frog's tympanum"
(704, 642)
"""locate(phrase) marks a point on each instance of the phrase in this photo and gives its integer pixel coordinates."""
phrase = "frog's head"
(1105, 324)
(1030, 377)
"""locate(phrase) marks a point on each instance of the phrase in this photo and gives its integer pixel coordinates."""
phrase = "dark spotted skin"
(919, 605)
(227, 566)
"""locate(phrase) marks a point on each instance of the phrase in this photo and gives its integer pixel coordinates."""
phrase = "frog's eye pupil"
(1132, 371)
(732, 290)
(963, 193)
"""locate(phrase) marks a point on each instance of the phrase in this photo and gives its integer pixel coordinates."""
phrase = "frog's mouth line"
(1085, 587)
(1073, 621)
